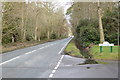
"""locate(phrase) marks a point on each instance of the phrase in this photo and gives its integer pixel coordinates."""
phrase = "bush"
(29, 38)
(6, 39)
(110, 24)
(88, 32)
(53, 36)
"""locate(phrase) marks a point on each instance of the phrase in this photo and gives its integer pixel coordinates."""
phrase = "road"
(33, 62)
(45, 61)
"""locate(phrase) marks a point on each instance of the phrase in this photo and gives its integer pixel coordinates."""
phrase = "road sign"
(106, 44)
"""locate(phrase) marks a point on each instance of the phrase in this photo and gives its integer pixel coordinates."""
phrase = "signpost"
(106, 44)
(111, 47)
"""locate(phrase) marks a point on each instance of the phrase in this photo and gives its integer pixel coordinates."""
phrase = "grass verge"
(105, 55)
(72, 50)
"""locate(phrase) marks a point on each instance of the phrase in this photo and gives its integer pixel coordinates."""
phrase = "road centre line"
(53, 71)
(26, 54)
(51, 75)
(58, 64)
(56, 67)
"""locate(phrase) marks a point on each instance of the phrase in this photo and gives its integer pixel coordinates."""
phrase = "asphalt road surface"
(33, 62)
(45, 61)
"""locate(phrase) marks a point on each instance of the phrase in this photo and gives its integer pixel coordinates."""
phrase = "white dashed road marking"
(58, 64)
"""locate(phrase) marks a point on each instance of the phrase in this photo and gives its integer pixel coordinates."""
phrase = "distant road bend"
(40, 61)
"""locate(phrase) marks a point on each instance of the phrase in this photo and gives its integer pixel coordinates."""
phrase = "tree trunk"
(39, 34)
(58, 34)
(48, 34)
(36, 29)
(1, 38)
(0, 32)
(100, 24)
(36, 32)
(24, 34)
(22, 24)
(39, 39)
(24, 31)
(13, 39)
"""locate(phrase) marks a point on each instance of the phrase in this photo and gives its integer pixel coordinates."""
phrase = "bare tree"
(43, 23)
(100, 23)
(22, 22)
(0, 24)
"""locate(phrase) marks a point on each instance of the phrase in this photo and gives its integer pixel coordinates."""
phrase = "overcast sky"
(65, 6)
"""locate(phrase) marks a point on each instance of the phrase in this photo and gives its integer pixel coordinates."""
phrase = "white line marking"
(64, 46)
(51, 75)
(10, 60)
(56, 67)
(58, 64)
(53, 71)
(32, 52)
(24, 54)
(41, 48)
(28, 53)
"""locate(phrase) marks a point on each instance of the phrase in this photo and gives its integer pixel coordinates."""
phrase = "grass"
(101, 62)
(72, 48)
(105, 55)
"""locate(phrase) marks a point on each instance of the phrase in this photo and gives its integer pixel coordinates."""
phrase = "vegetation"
(111, 27)
(72, 50)
(35, 21)
(93, 23)
(95, 51)
(106, 54)
(0, 28)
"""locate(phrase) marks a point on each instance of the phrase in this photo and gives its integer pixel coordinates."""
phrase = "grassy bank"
(105, 55)
(72, 50)
(19, 45)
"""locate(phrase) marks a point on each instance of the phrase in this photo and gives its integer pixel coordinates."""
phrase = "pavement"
(45, 61)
